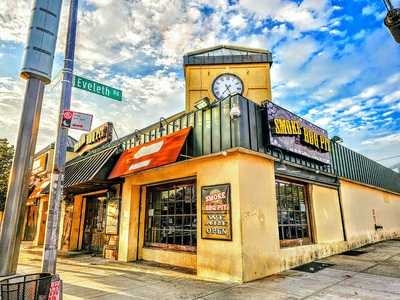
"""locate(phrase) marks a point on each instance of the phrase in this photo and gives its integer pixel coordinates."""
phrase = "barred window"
(172, 216)
(293, 220)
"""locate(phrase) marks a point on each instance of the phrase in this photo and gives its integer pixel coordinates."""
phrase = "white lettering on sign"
(219, 231)
(217, 207)
(150, 149)
(216, 196)
(141, 164)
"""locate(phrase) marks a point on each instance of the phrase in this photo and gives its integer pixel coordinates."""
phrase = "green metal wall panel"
(214, 131)
(207, 132)
(226, 139)
(216, 128)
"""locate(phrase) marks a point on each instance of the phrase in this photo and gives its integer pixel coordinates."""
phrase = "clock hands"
(227, 88)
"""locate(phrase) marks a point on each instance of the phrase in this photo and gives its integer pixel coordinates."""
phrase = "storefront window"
(172, 216)
(292, 214)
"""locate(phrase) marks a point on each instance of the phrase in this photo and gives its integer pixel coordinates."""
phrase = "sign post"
(57, 174)
(37, 67)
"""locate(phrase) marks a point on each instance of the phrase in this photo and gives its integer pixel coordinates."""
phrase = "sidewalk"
(374, 274)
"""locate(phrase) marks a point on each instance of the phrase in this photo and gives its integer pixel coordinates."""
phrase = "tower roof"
(227, 54)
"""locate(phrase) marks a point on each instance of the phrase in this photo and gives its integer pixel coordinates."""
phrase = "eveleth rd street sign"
(97, 88)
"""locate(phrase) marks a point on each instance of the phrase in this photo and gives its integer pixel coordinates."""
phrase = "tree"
(6, 157)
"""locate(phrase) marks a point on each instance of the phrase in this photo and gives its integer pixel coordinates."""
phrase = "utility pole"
(57, 175)
(37, 67)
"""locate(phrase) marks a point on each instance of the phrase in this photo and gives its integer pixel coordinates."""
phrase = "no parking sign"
(76, 120)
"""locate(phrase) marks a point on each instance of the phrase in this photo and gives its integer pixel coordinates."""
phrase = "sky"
(334, 62)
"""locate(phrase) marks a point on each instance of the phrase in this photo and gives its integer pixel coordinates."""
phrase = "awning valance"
(159, 152)
(89, 170)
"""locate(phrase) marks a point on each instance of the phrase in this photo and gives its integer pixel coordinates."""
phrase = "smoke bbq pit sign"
(216, 212)
(292, 133)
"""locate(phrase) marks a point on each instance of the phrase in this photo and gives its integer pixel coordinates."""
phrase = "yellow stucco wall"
(259, 229)
(175, 258)
(326, 214)
(256, 81)
(359, 202)
(325, 226)
(216, 259)
(254, 251)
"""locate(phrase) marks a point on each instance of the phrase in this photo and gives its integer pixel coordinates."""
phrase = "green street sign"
(97, 88)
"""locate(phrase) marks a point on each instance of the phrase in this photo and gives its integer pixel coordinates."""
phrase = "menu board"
(112, 216)
(216, 212)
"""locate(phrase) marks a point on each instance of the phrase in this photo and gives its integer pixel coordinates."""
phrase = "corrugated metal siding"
(86, 168)
(354, 166)
(214, 131)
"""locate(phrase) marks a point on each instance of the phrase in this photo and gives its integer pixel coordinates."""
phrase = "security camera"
(235, 113)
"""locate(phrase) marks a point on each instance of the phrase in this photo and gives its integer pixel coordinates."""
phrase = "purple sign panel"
(292, 133)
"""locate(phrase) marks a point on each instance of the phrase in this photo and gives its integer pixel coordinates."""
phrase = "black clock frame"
(224, 74)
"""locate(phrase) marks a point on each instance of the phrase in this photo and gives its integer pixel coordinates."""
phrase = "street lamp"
(392, 20)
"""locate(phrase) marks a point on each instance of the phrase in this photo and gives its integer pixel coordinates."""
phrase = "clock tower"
(221, 71)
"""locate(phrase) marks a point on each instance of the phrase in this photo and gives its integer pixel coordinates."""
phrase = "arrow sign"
(76, 120)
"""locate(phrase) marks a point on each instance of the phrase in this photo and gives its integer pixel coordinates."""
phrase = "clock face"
(227, 84)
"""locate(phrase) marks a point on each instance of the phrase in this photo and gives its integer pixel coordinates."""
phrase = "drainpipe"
(138, 223)
(341, 209)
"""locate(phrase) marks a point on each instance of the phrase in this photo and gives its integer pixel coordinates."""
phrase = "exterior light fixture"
(392, 20)
(235, 112)
(202, 103)
(163, 127)
(136, 135)
(337, 139)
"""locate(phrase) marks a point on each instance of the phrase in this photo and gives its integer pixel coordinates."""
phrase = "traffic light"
(392, 20)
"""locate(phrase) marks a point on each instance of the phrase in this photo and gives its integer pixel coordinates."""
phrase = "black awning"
(90, 172)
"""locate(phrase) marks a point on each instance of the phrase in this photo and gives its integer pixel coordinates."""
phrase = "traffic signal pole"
(36, 68)
(57, 175)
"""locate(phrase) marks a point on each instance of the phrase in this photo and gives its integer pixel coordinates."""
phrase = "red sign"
(76, 120)
(153, 154)
(55, 289)
(68, 115)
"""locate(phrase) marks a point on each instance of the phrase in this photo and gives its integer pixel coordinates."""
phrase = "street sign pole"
(37, 67)
(57, 175)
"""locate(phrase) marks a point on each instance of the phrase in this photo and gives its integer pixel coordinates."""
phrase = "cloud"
(384, 140)
(307, 16)
(326, 68)
(238, 22)
(368, 10)
(14, 19)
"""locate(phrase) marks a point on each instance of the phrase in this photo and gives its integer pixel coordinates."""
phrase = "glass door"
(94, 229)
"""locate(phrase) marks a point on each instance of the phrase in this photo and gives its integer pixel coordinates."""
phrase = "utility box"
(42, 39)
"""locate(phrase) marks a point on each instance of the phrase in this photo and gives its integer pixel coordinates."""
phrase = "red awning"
(162, 151)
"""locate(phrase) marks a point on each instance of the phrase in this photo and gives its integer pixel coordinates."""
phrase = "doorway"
(30, 222)
(94, 228)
